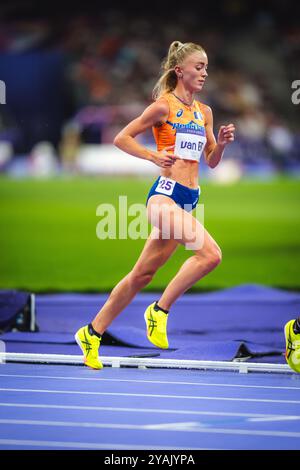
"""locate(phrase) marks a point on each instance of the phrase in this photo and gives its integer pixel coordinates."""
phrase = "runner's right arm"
(156, 113)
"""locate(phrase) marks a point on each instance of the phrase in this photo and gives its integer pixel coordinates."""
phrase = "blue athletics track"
(222, 385)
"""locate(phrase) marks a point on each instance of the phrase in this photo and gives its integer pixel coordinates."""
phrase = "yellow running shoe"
(156, 323)
(89, 345)
(292, 346)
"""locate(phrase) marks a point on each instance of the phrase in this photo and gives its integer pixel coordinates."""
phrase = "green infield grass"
(48, 236)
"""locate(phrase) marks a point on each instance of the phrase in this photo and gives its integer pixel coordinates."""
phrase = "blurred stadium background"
(75, 76)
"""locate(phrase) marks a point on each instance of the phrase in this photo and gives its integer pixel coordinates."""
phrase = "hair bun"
(176, 45)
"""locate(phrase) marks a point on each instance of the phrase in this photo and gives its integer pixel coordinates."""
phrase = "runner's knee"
(217, 255)
(141, 278)
(212, 256)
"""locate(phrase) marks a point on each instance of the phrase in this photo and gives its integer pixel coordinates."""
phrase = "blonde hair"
(178, 51)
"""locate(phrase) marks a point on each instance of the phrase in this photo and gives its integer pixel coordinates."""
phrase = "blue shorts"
(184, 196)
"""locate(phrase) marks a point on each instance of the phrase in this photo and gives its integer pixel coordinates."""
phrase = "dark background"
(58, 59)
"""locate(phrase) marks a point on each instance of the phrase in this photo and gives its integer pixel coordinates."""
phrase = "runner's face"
(194, 71)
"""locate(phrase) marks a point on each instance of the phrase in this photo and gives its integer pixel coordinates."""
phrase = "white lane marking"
(271, 387)
(274, 418)
(147, 410)
(181, 426)
(198, 427)
(89, 445)
(148, 395)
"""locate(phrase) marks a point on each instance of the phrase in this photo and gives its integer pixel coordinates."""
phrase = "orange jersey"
(180, 117)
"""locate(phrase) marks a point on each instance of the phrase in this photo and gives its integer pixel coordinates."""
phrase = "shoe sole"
(286, 335)
(79, 343)
(77, 339)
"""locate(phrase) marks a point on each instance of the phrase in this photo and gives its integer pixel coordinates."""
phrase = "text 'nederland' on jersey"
(184, 128)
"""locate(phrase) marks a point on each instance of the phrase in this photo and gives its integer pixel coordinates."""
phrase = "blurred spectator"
(112, 60)
(43, 160)
(280, 140)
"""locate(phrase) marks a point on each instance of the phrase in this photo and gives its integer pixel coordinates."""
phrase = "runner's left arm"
(214, 149)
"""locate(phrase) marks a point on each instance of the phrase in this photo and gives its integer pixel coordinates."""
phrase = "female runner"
(183, 130)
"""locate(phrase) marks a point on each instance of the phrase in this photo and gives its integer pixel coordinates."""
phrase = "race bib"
(165, 186)
(189, 143)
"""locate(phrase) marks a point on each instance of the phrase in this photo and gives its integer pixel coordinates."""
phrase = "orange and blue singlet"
(184, 128)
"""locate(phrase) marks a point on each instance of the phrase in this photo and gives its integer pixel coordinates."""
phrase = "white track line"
(113, 361)
(89, 445)
(250, 416)
(190, 427)
(274, 418)
(271, 387)
(148, 395)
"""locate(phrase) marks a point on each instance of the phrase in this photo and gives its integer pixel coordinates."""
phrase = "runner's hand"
(163, 158)
(226, 134)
